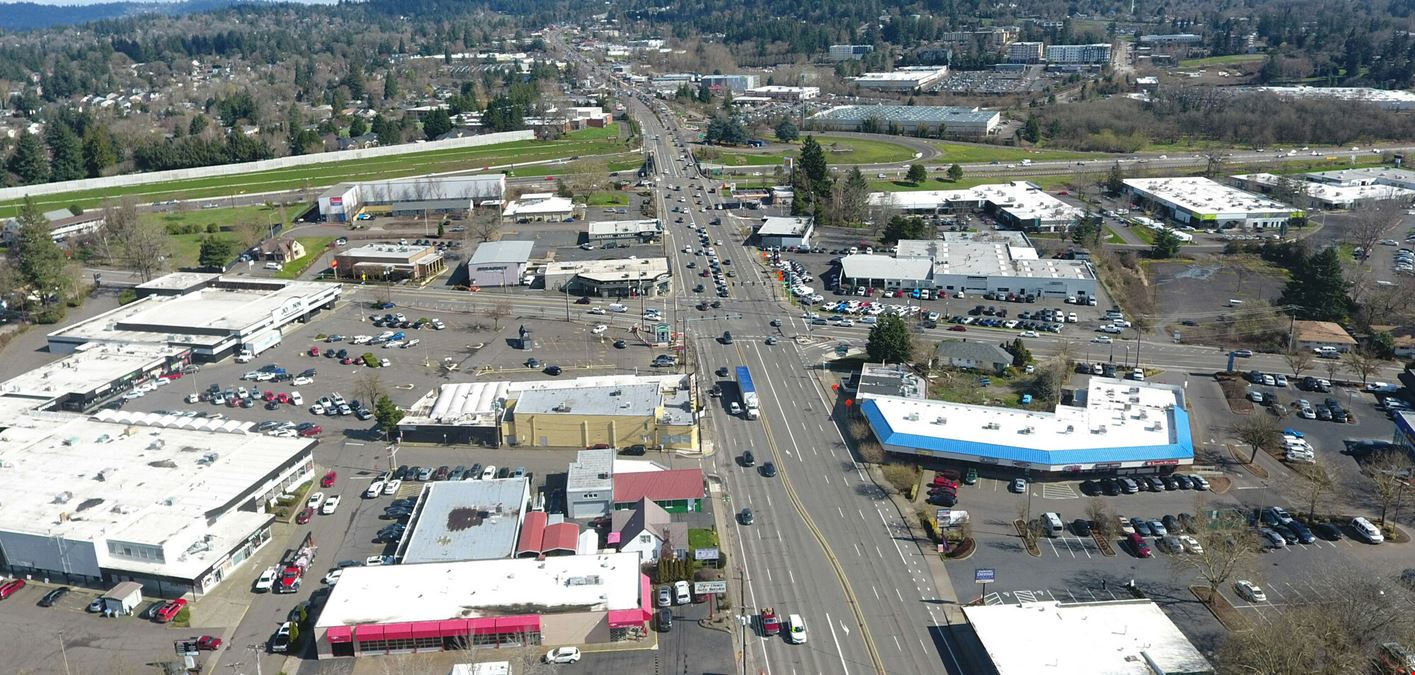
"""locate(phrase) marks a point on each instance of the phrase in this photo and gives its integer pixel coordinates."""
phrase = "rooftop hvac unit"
(992, 425)
(1026, 430)
(1099, 430)
(1069, 429)
(940, 420)
(63, 497)
(912, 417)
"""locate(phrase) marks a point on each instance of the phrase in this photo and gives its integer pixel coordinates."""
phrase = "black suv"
(748, 459)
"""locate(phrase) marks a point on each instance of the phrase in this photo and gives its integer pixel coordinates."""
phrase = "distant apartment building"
(849, 52)
(735, 83)
(1024, 52)
(1092, 54)
(993, 39)
(779, 92)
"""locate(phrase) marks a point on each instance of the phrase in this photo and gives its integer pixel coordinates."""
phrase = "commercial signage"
(951, 517)
(1162, 462)
(336, 201)
(984, 575)
(706, 553)
(709, 587)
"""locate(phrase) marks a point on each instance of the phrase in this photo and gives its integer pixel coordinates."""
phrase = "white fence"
(128, 180)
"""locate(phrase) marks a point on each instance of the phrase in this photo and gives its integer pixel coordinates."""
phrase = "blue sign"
(985, 575)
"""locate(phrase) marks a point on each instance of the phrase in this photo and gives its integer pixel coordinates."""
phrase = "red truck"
(294, 565)
(771, 625)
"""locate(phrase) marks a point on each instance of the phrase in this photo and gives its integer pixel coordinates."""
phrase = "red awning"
(398, 631)
(645, 594)
(518, 624)
(427, 629)
(339, 634)
(626, 618)
(482, 626)
(368, 632)
(452, 628)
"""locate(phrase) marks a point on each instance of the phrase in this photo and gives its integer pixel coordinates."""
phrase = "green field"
(1229, 60)
(1143, 233)
(965, 153)
(838, 150)
(314, 247)
(608, 198)
(580, 143)
(1045, 182)
(186, 247)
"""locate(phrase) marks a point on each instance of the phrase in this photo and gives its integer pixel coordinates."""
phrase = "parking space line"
(1052, 543)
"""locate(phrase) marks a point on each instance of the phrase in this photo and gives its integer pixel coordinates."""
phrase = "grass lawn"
(1229, 60)
(608, 198)
(701, 538)
(314, 247)
(936, 183)
(616, 163)
(966, 153)
(595, 133)
(186, 248)
(1143, 233)
(1112, 238)
(838, 150)
(328, 173)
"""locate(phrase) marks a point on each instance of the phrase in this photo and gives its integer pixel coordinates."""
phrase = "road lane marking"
(836, 640)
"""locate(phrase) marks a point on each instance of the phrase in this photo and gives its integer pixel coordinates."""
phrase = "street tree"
(1364, 363)
(1229, 545)
(1115, 181)
(955, 172)
(917, 174)
(1260, 432)
(889, 341)
(1390, 472)
(1318, 484)
(497, 311)
(387, 414)
(1214, 163)
(1102, 520)
(368, 386)
(1298, 361)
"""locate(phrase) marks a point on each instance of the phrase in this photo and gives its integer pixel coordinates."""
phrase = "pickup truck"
(771, 624)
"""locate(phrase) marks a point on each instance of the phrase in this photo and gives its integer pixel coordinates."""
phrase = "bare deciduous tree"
(1259, 432)
(368, 387)
(1102, 520)
(1372, 221)
(1299, 361)
(141, 247)
(1318, 484)
(1390, 472)
(497, 311)
(485, 225)
(1364, 363)
(1229, 547)
(1214, 163)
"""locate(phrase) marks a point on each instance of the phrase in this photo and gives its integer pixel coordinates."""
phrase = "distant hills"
(28, 15)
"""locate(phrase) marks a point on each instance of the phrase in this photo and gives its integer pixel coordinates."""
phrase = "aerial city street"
(465, 338)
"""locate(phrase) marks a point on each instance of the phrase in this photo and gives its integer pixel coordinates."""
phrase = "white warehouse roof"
(1200, 195)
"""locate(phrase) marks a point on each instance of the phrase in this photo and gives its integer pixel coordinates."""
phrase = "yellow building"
(619, 411)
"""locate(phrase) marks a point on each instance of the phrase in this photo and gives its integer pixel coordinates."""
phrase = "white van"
(1051, 524)
(796, 629)
(618, 308)
(272, 265)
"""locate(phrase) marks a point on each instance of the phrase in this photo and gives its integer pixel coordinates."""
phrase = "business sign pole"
(984, 576)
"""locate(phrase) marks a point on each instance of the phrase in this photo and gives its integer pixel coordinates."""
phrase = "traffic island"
(962, 550)
(1252, 467)
(1221, 608)
(1235, 391)
(1024, 531)
(1103, 543)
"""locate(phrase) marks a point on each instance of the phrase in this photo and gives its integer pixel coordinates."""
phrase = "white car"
(796, 629)
(317, 409)
(681, 593)
(563, 655)
(333, 577)
(1028, 334)
(599, 329)
(330, 505)
(266, 581)
(391, 487)
(374, 489)
(1191, 545)
(1102, 339)
(597, 310)
(315, 500)
(377, 560)
(1250, 591)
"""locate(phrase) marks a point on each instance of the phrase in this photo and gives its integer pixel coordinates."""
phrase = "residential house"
(676, 490)
(647, 530)
(1318, 334)
(974, 355)
(282, 250)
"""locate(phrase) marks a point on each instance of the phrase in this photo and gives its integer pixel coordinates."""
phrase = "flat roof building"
(390, 262)
(1388, 99)
(1093, 54)
(610, 278)
(785, 231)
(849, 52)
(93, 502)
(413, 196)
(93, 374)
(955, 121)
(1329, 195)
(906, 79)
(433, 607)
(1025, 52)
(465, 520)
(975, 263)
(779, 92)
(214, 321)
(624, 232)
(1119, 637)
(1111, 425)
(733, 83)
(1203, 203)
(457, 413)
(499, 263)
(538, 207)
(1017, 204)
(892, 379)
(589, 486)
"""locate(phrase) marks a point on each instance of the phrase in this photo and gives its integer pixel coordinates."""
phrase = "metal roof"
(502, 252)
(659, 486)
(466, 520)
(932, 114)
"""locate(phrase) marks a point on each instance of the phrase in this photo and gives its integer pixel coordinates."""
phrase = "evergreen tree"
(812, 161)
(854, 197)
(917, 174)
(390, 86)
(786, 131)
(1115, 181)
(215, 252)
(28, 161)
(67, 153)
(889, 341)
(436, 123)
(38, 258)
(357, 127)
(955, 172)
(198, 125)
(1166, 245)
(1317, 287)
(1032, 130)
(98, 150)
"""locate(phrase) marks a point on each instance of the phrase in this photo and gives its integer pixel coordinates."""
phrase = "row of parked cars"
(1111, 487)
